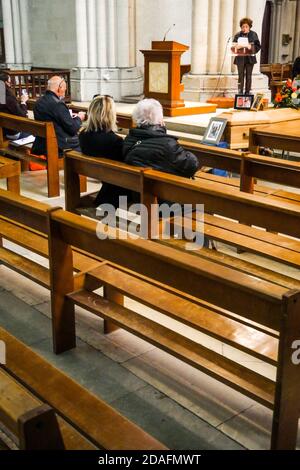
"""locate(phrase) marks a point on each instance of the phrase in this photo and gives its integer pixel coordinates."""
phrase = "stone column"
(16, 33)
(25, 36)
(81, 33)
(101, 33)
(8, 33)
(207, 76)
(213, 36)
(296, 52)
(272, 34)
(277, 32)
(106, 50)
(226, 33)
(199, 36)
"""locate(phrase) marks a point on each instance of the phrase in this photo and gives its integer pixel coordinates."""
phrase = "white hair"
(148, 112)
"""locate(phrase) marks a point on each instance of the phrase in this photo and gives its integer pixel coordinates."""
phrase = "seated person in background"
(10, 105)
(296, 68)
(98, 139)
(51, 107)
(148, 145)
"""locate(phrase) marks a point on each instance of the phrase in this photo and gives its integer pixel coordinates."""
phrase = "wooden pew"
(46, 409)
(283, 136)
(249, 313)
(278, 214)
(40, 129)
(10, 170)
(204, 294)
(250, 167)
(25, 223)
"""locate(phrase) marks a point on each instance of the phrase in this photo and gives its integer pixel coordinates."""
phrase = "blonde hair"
(101, 115)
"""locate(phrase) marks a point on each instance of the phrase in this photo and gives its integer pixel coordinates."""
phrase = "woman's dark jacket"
(105, 145)
(152, 147)
(252, 38)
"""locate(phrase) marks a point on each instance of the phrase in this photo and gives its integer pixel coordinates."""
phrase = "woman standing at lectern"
(246, 63)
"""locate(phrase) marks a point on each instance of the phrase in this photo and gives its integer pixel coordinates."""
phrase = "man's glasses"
(60, 83)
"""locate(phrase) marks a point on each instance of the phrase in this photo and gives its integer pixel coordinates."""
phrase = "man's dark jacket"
(252, 38)
(152, 147)
(50, 108)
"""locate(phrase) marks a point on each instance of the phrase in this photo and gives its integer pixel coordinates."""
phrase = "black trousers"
(245, 72)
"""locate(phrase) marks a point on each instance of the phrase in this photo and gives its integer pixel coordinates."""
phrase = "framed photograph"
(257, 102)
(214, 131)
(243, 102)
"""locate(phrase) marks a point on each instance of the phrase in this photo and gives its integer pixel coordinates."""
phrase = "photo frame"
(214, 131)
(257, 102)
(243, 102)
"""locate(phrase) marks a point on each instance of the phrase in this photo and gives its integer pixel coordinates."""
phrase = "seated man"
(10, 105)
(51, 107)
(148, 145)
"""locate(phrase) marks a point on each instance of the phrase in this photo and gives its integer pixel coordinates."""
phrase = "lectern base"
(189, 109)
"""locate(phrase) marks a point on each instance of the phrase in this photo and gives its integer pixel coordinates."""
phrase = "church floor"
(177, 404)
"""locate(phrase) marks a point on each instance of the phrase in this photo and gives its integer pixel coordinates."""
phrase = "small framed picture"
(214, 131)
(257, 102)
(243, 102)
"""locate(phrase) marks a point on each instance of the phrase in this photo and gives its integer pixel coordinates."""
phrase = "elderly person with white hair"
(51, 107)
(148, 145)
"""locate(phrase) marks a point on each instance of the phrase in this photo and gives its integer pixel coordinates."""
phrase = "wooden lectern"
(163, 78)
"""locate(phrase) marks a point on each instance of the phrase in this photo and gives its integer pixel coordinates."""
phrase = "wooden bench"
(254, 314)
(278, 214)
(40, 129)
(46, 409)
(250, 167)
(24, 222)
(251, 314)
(10, 170)
(283, 136)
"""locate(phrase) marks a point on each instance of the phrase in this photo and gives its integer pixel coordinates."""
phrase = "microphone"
(171, 27)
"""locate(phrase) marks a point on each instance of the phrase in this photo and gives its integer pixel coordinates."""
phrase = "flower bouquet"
(289, 95)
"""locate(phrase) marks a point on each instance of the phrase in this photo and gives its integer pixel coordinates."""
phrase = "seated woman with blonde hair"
(98, 138)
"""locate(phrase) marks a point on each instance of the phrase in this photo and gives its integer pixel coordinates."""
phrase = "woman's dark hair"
(247, 21)
(4, 77)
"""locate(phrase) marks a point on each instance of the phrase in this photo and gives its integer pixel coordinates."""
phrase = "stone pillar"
(213, 36)
(106, 50)
(8, 33)
(212, 72)
(81, 33)
(296, 52)
(277, 32)
(272, 34)
(199, 36)
(225, 39)
(25, 36)
(16, 33)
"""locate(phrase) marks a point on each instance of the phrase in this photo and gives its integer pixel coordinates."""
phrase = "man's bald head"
(57, 85)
